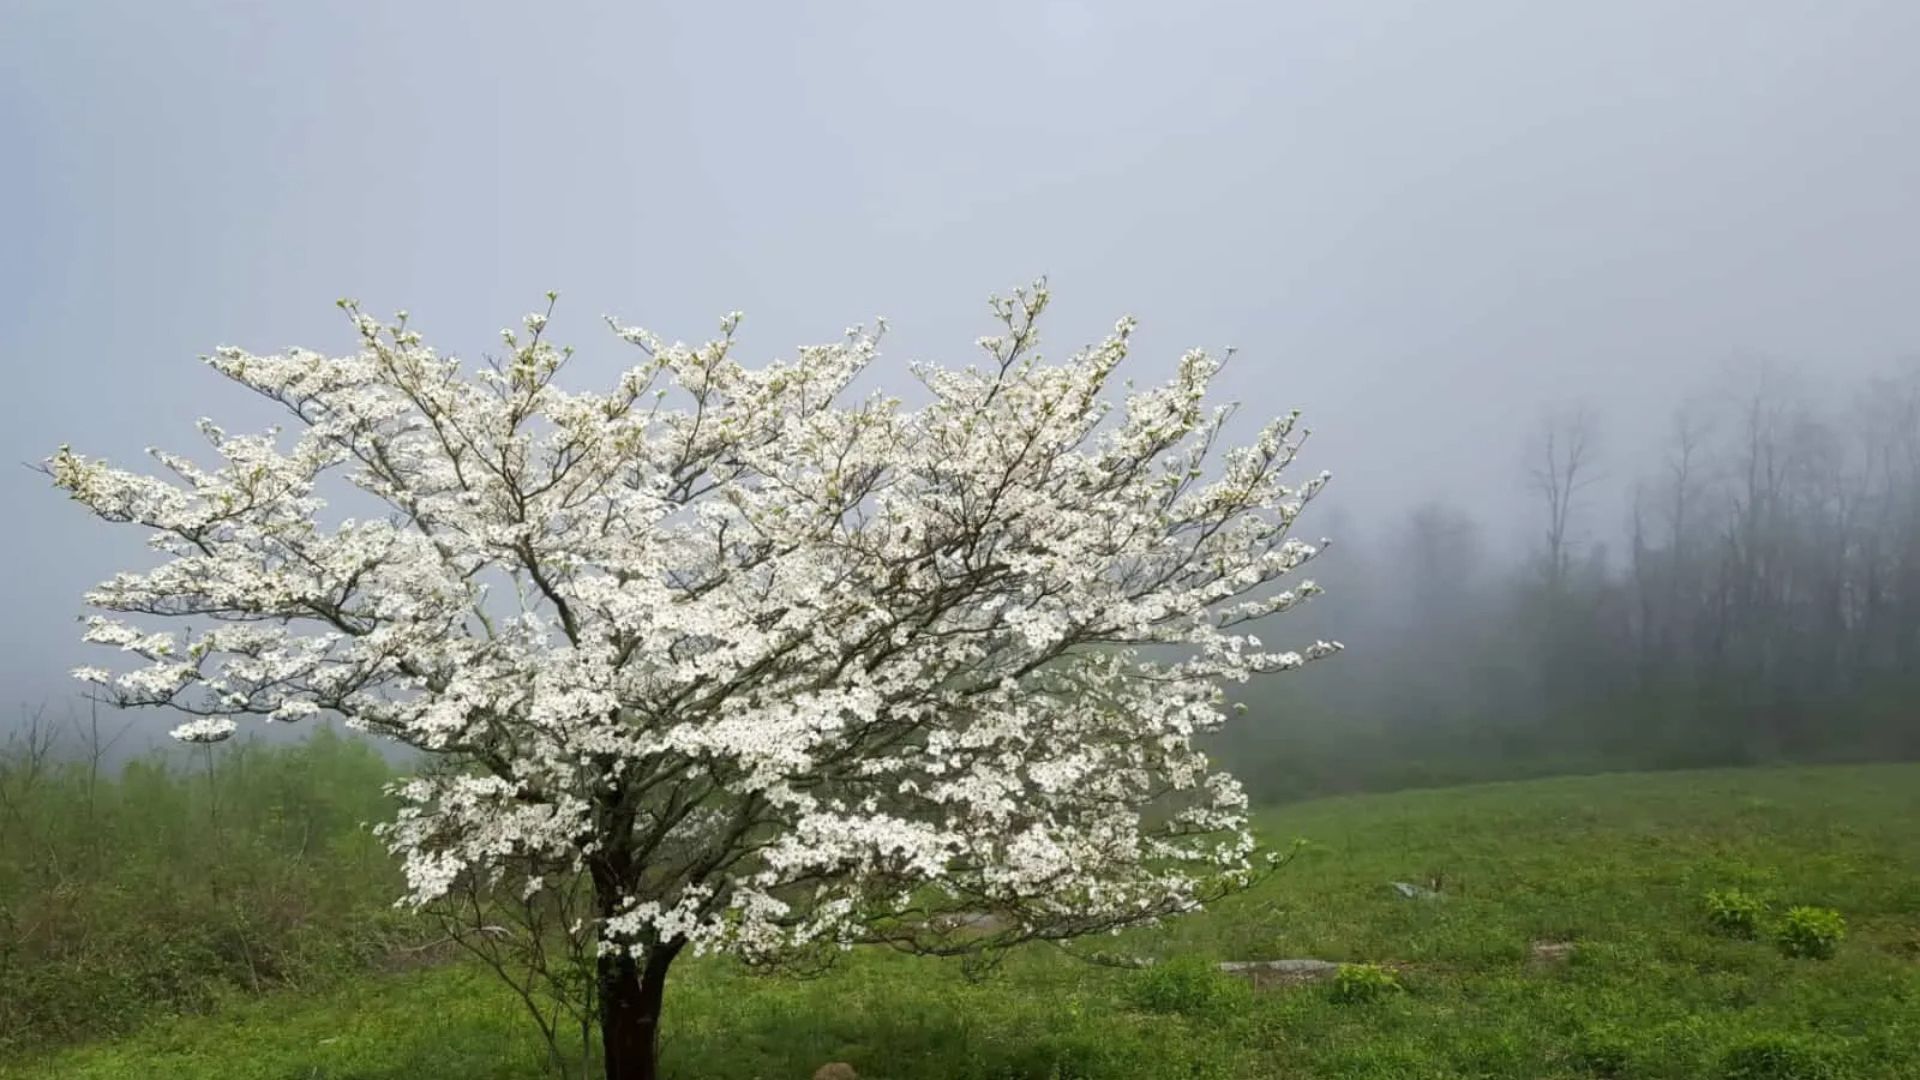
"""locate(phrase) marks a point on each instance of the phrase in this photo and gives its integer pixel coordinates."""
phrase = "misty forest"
(1743, 589)
(1467, 626)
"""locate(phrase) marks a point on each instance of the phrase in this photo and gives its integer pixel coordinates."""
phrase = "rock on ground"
(1265, 973)
(1550, 952)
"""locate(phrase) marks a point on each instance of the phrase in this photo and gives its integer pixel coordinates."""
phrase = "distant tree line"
(1759, 602)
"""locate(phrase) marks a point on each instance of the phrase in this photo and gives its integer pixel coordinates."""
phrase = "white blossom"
(207, 729)
(774, 661)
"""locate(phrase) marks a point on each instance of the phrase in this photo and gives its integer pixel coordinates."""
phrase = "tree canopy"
(756, 660)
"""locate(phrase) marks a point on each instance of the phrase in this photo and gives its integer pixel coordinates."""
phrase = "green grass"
(1618, 866)
(162, 887)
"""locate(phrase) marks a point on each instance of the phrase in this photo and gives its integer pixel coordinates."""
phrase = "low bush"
(1186, 985)
(1813, 932)
(1735, 913)
(1356, 984)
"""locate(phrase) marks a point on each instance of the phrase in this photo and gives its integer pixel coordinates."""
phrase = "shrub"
(1735, 913)
(1777, 1057)
(1357, 984)
(1811, 931)
(1185, 985)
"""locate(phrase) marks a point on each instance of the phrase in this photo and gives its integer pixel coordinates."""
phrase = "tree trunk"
(630, 998)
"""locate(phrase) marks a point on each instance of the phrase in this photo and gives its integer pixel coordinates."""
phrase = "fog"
(1441, 230)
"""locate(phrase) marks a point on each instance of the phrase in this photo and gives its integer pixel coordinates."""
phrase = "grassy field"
(1569, 940)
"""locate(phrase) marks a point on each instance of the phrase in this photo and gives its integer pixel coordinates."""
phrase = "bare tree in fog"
(1561, 466)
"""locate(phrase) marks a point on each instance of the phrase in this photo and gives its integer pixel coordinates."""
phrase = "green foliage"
(1778, 1057)
(1602, 1052)
(1814, 932)
(1187, 986)
(1357, 984)
(1735, 913)
(167, 886)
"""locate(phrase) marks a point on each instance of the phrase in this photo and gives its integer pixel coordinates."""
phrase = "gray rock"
(1551, 952)
(1415, 892)
(979, 922)
(1120, 960)
(1291, 972)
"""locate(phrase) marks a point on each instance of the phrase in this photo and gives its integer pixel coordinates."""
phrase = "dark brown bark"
(630, 998)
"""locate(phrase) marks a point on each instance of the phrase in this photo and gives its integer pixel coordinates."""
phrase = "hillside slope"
(1567, 939)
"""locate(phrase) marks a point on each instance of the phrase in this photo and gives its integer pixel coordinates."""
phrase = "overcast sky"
(1421, 222)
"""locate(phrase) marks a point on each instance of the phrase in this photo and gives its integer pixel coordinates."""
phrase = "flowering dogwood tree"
(757, 663)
